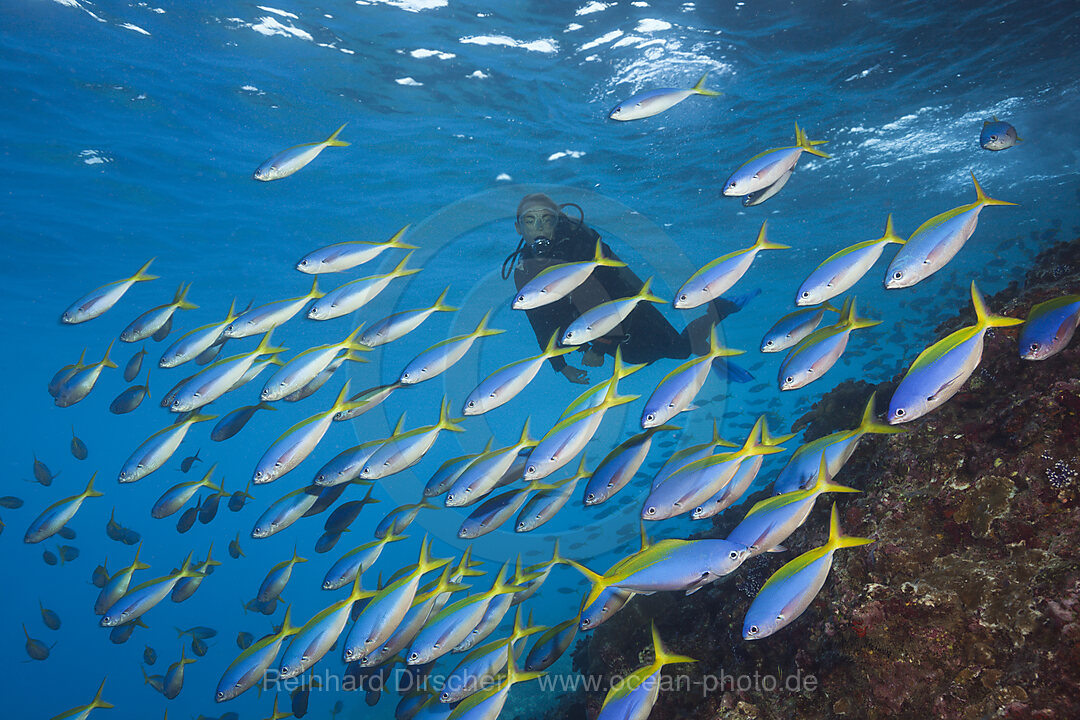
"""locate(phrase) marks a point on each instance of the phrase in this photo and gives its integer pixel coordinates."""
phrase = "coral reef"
(967, 604)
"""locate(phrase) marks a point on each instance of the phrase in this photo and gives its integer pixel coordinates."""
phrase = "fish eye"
(1034, 346)
(569, 333)
(731, 184)
(303, 262)
(806, 293)
(532, 469)
(769, 343)
(220, 695)
(492, 396)
(993, 137)
(650, 417)
(651, 511)
(753, 629)
(789, 379)
(899, 412)
(472, 403)
(521, 298)
(898, 274)
(682, 297)
(734, 555)
(590, 496)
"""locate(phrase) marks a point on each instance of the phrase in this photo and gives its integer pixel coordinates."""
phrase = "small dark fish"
(759, 387)
(149, 655)
(130, 537)
(100, 576)
(567, 591)
(666, 443)
(199, 647)
(239, 498)
(656, 464)
(163, 331)
(113, 529)
(343, 515)
(67, 553)
(234, 548)
(299, 699)
(187, 462)
(209, 354)
(66, 533)
(243, 640)
(327, 541)
(11, 502)
(42, 474)
(235, 421)
(134, 365)
(36, 649)
(531, 553)
(199, 632)
(122, 633)
(130, 398)
(188, 518)
(78, 447)
(155, 681)
(49, 557)
(209, 508)
(577, 545)
(49, 617)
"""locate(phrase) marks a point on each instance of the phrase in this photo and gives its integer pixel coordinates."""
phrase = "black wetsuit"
(645, 335)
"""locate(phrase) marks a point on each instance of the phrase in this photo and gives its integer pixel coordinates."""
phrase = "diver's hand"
(575, 375)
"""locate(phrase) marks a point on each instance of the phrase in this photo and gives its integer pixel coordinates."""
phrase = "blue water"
(130, 131)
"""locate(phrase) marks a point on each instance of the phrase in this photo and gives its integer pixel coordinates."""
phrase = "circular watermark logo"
(477, 233)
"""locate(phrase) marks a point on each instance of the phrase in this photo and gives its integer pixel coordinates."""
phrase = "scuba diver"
(550, 237)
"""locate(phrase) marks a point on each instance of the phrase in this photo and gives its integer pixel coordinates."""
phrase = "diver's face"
(536, 223)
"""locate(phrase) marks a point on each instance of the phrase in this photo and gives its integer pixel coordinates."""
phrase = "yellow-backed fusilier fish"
(345, 255)
(545, 504)
(636, 694)
(158, 448)
(154, 319)
(766, 168)
(214, 381)
(404, 450)
(440, 357)
(505, 383)
(937, 241)
(793, 327)
(54, 517)
(142, 598)
(558, 281)
(195, 342)
(174, 677)
(96, 302)
(83, 711)
(81, 382)
(286, 162)
(791, 589)
(605, 317)
(941, 369)
(676, 392)
(818, 352)
(303, 368)
(177, 496)
(354, 294)
(118, 584)
(266, 317)
(716, 278)
(1049, 327)
(402, 323)
(653, 102)
(841, 270)
(356, 561)
(482, 474)
(249, 668)
(277, 578)
(381, 616)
